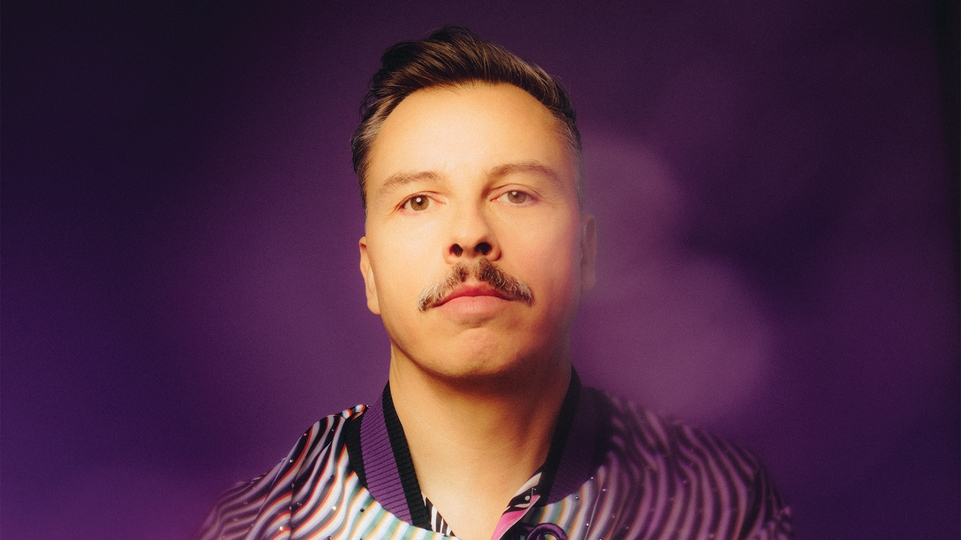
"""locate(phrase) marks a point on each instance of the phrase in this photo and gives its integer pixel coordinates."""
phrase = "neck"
(475, 441)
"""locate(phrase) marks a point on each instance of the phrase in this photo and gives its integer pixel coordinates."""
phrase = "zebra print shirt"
(645, 478)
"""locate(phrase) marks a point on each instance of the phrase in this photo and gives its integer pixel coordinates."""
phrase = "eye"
(516, 197)
(417, 203)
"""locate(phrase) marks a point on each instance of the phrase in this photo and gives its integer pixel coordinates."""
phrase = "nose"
(482, 248)
(471, 237)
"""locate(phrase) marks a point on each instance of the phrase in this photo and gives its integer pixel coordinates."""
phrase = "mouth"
(472, 290)
(478, 280)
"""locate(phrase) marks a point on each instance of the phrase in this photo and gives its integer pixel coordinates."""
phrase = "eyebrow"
(397, 180)
(524, 167)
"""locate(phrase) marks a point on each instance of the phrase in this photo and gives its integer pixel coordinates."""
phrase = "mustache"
(482, 270)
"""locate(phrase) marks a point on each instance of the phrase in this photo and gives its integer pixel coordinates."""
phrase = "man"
(476, 253)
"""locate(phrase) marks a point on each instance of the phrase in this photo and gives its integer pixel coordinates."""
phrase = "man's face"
(461, 175)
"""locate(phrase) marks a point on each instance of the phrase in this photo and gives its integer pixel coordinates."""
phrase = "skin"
(457, 174)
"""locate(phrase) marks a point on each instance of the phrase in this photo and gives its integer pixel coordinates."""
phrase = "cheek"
(401, 262)
(551, 260)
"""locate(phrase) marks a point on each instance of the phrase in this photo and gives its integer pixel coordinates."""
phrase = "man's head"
(476, 249)
(455, 56)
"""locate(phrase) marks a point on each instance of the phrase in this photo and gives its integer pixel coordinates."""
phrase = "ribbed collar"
(380, 455)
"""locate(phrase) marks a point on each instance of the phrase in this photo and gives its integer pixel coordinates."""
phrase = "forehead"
(467, 129)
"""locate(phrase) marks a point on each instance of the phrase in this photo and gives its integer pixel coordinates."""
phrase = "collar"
(380, 456)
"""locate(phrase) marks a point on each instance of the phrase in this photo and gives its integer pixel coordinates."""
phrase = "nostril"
(456, 250)
(483, 248)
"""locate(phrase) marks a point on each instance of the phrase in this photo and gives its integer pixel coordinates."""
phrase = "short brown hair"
(453, 56)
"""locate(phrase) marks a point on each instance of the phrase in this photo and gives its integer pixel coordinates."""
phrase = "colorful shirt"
(613, 471)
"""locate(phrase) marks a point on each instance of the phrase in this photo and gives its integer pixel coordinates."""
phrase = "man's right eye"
(417, 203)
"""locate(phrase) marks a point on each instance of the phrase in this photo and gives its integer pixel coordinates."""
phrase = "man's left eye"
(516, 197)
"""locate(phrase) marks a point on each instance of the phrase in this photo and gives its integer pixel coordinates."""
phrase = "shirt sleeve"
(768, 518)
(257, 509)
(260, 508)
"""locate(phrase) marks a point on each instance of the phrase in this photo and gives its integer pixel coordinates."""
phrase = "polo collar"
(381, 458)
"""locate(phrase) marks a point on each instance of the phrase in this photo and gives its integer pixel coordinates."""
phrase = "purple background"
(776, 192)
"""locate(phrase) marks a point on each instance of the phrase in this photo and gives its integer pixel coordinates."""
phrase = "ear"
(370, 284)
(588, 253)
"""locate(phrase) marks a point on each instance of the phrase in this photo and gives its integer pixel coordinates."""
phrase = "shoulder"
(697, 466)
(644, 434)
(319, 453)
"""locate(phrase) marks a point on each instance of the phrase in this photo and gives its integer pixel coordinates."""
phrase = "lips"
(473, 290)
(479, 279)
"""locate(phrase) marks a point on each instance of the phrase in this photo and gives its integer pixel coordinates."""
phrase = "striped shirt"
(614, 471)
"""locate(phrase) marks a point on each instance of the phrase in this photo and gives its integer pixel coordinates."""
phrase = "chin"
(473, 370)
(488, 372)
(483, 358)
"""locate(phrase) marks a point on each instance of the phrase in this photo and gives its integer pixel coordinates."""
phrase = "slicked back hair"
(454, 56)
